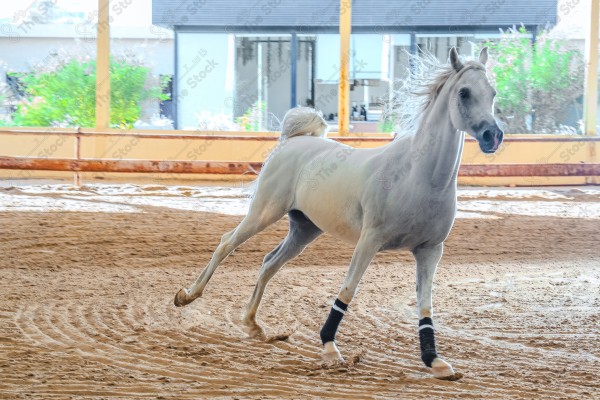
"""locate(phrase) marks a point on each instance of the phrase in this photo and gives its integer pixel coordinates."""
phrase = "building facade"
(250, 61)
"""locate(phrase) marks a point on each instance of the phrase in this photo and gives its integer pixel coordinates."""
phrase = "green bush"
(66, 96)
(385, 126)
(536, 84)
(254, 119)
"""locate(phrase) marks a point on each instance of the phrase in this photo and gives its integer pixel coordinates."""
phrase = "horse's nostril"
(487, 136)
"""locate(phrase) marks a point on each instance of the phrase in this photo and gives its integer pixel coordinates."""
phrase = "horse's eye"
(464, 93)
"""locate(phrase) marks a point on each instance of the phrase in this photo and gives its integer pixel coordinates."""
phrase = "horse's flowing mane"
(414, 94)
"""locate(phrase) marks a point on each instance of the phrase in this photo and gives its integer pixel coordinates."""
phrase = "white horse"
(399, 196)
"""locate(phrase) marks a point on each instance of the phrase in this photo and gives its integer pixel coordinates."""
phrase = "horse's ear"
(483, 55)
(454, 60)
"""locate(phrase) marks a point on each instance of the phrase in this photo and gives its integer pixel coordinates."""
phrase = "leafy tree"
(66, 96)
(535, 84)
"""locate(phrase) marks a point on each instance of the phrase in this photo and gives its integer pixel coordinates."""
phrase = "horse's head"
(472, 102)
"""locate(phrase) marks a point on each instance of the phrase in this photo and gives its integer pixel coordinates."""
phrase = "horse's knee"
(226, 237)
(226, 246)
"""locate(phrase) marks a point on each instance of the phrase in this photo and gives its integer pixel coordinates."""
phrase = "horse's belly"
(332, 214)
(337, 227)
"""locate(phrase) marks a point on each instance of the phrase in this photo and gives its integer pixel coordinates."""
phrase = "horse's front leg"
(427, 260)
(364, 252)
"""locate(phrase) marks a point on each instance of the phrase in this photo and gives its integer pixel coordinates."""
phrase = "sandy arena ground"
(86, 302)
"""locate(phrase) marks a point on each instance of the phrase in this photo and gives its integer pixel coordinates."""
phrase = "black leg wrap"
(427, 340)
(333, 321)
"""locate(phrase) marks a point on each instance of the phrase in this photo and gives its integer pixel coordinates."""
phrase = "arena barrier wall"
(58, 153)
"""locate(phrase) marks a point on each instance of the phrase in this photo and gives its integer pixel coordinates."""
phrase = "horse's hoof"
(331, 355)
(254, 331)
(442, 370)
(182, 298)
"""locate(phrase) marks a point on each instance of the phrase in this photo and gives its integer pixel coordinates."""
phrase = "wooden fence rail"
(79, 164)
(252, 168)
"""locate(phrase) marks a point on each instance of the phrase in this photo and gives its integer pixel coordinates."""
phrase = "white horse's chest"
(428, 223)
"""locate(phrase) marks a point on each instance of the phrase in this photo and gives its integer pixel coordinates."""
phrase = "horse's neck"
(437, 148)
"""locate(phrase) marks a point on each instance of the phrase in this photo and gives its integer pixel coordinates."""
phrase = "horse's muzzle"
(490, 138)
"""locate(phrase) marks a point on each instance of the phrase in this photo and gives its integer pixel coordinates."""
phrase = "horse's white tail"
(303, 121)
(299, 121)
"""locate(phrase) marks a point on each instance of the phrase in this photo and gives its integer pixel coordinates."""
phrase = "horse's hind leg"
(260, 216)
(302, 232)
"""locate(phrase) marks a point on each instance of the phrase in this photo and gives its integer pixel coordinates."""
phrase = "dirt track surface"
(86, 311)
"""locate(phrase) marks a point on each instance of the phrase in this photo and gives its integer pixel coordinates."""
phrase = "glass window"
(263, 81)
(204, 84)
(375, 61)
